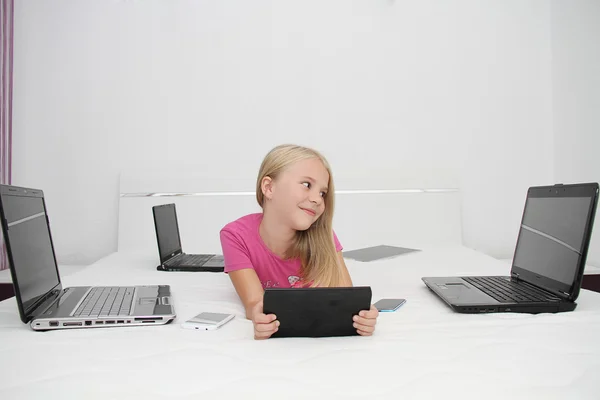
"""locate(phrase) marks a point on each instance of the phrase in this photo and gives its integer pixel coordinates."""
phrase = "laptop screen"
(30, 243)
(167, 231)
(553, 236)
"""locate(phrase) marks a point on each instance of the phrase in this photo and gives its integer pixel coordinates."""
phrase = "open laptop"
(172, 257)
(548, 262)
(42, 301)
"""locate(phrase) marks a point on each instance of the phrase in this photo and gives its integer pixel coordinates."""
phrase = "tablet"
(377, 253)
(316, 312)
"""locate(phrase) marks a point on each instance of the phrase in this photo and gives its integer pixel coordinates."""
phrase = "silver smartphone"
(207, 321)
(388, 305)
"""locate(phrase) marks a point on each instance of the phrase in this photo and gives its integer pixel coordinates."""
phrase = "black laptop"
(548, 262)
(316, 312)
(172, 257)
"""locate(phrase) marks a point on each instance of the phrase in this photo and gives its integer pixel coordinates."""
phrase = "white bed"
(422, 351)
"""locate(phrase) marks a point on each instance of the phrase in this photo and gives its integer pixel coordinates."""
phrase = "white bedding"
(422, 351)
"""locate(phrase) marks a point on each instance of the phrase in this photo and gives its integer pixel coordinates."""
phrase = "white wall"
(576, 96)
(382, 87)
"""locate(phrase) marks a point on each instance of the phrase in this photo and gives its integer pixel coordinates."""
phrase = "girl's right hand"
(264, 325)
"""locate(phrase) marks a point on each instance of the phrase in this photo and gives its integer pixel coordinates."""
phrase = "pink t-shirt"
(244, 248)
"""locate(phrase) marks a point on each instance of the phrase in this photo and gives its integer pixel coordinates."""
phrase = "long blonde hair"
(315, 246)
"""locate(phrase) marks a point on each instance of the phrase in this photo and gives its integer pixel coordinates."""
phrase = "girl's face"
(297, 196)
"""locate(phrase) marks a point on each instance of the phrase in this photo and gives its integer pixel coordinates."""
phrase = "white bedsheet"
(422, 351)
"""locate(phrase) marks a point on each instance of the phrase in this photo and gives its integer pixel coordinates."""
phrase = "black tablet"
(316, 312)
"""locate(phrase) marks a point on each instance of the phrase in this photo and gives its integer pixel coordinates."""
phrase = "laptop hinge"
(56, 293)
(515, 276)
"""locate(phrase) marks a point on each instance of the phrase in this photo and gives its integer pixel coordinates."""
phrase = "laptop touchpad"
(148, 301)
(452, 285)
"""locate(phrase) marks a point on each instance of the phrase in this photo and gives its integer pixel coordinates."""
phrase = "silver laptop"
(42, 301)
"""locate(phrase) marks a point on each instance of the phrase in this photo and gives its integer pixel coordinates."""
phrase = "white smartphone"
(207, 321)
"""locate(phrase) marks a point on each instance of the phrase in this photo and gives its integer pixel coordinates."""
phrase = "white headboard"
(367, 212)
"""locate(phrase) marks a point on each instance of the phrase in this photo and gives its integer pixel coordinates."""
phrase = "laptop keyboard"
(507, 291)
(106, 302)
(189, 259)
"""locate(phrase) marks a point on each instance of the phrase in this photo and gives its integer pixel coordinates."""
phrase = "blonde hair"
(315, 246)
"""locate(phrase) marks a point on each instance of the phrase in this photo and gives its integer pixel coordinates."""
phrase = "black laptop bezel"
(567, 292)
(177, 251)
(292, 305)
(36, 306)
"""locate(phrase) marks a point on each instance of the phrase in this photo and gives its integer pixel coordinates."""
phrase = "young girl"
(291, 243)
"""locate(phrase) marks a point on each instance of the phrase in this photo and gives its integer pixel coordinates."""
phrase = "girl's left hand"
(365, 321)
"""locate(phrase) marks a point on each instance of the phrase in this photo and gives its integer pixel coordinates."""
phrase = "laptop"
(42, 301)
(548, 261)
(316, 312)
(172, 257)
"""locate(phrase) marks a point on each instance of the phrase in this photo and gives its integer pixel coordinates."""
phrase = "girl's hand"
(365, 321)
(264, 325)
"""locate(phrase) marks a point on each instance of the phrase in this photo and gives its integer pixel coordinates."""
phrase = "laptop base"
(148, 305)
(466, 299)
(190, 268)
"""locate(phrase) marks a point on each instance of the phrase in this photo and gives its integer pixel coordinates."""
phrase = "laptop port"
(110, 322)
(88, 323)
(120, 322)
(72, 323)
(53, 323)
(99, 322)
